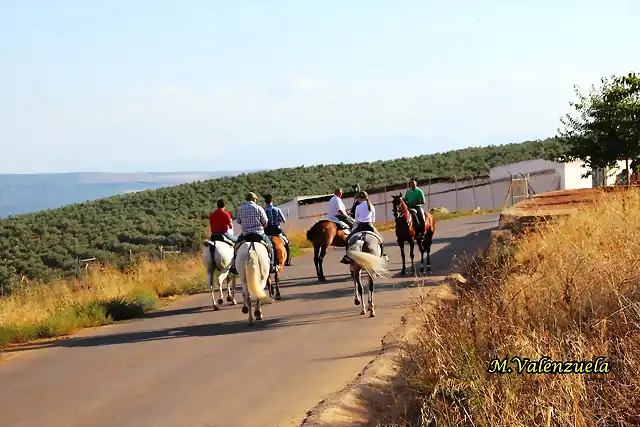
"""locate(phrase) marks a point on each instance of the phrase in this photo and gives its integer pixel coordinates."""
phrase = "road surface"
(189, 366)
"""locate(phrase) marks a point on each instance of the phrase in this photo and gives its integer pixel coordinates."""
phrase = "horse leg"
(420, 243)
(231, 289)
(323, 253)
(356, 301)
(246, 308)
(277, 280)
(404, 268)
(360, 291)
(427, 244)
(212, 290)
(412, 256)
(258, 311)
(221, 278)
(316, 261)
(372, 311)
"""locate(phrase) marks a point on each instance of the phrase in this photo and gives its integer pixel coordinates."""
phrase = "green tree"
(604, 127)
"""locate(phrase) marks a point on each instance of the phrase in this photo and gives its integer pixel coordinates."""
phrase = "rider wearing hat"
(253, 219)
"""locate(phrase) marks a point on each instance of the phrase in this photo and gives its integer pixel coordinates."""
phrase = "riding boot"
(232, 269)
(345, 259)
(288, 260)
(272, 261)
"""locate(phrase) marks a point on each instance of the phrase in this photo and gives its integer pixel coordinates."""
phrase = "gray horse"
(364, 253)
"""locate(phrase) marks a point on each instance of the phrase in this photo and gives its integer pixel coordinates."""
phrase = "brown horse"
(280, 252)
(323, 234)
(406, 232)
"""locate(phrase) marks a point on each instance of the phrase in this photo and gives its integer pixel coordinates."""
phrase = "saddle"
(362, 234)
(271, 232)
(414, 219)
(222, 238)
(343, 226)
(251, 238)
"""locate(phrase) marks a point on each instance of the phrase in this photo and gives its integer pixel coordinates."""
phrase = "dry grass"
(62, 307)
(569, 292)
(46, 310)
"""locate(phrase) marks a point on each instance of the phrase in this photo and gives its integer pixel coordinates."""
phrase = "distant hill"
(25, 193)
(45, 244)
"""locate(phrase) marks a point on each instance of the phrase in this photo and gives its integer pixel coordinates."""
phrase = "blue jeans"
(227, 235)
(268, 242)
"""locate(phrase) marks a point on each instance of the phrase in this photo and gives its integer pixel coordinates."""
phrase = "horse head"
(400, 208)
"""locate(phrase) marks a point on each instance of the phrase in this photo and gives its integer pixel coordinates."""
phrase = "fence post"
(473, 185)
(429, 195)
(386, 210)
(455, 178)
(493, 200)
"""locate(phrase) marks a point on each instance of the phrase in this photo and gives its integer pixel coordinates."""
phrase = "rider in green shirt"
(414, 198)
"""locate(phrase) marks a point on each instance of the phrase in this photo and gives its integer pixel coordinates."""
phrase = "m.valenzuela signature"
(545, 365)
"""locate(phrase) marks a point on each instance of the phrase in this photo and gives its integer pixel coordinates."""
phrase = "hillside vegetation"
(44, 245)
(570, 293)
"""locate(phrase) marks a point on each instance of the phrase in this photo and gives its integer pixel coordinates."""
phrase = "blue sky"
(128, 86)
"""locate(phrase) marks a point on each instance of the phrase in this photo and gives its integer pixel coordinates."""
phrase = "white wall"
(572, 179)
(527, 166)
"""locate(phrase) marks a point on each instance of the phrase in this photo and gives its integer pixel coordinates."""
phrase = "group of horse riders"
(254, 219)
(267, 221)
(363, 213)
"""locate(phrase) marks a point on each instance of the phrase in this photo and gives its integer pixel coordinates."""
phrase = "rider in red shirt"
(220, 222)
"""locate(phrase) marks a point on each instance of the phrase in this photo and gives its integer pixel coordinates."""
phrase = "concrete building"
(504, 186)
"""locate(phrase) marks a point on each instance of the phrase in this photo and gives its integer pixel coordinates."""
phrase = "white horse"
(217, 257)
(252, 264)
(364, 252)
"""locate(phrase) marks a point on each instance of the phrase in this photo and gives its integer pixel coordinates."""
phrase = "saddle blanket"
(351, 238)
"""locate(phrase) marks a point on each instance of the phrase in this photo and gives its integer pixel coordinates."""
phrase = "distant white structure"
(458, 194)
(566, 176)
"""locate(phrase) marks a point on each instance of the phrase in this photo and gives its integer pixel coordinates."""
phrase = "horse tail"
(253, 275)
(375, 265)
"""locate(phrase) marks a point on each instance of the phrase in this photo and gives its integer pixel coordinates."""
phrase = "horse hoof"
(216, 308)
(233, 302)
(245, 309)
(363, 312)
(258, 316)
(372, 314)
(356, 302)
(220, 301)
(403, 271)
(278, 297)
(229, 299)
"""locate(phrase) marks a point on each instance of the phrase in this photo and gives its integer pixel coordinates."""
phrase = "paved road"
(190, 366)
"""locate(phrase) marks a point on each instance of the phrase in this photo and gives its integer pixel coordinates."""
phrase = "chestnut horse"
(406, 232)
(280, 252)
(323, 234)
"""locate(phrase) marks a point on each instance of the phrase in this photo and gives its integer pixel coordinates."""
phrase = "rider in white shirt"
(336, 211)
(365, 217)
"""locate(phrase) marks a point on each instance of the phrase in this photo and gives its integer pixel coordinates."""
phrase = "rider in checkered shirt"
(253, 219)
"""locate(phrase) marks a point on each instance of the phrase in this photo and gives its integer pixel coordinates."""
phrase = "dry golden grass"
(62, 307)
(65, 306)
(569, 292)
